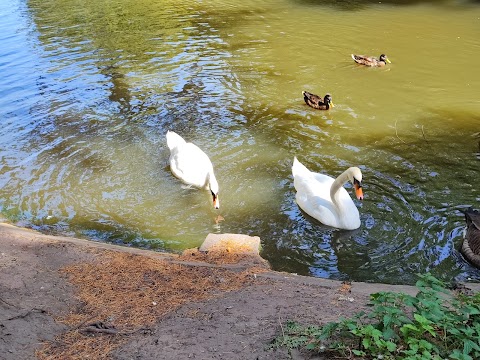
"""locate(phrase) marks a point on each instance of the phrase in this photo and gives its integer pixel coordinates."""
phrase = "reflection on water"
(89, 90)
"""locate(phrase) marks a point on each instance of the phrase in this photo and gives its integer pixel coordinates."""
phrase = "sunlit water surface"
(88, 90)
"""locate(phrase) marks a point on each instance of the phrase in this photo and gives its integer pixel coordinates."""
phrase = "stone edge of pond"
(7, 229)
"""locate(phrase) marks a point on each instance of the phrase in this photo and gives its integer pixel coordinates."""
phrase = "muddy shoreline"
(230, 322)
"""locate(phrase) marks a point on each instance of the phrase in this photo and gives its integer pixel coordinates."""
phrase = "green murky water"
(88, 90)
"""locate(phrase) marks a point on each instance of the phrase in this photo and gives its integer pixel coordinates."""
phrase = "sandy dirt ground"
(66, 298)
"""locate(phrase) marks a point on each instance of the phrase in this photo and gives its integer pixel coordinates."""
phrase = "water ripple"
(88, 92)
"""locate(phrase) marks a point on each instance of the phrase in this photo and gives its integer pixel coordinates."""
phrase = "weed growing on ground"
(435, 324)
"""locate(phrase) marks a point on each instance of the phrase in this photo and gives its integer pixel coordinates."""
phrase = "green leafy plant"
(435, 324)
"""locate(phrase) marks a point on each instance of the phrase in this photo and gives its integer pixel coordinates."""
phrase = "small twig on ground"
(424, 135)
(100, 327)
(396, 132)
(92, 329)
(281, 327)
(41, 311)
(6, 302)
(350, 356)
(113, 331)
(83, 323)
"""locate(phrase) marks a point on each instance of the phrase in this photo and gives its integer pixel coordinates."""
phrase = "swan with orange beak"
(325, 199)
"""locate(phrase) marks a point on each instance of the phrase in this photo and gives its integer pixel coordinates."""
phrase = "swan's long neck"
(212, 183)
(337, 184)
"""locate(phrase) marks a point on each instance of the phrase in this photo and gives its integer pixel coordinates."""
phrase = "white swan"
(325, 199)
(191, 165)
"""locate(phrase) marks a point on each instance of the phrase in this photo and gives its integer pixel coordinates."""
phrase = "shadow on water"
(100, 163)
(355, 5)
(436, 174)
(440, 135)
(415, 185)
(120, 92)
(316, 249)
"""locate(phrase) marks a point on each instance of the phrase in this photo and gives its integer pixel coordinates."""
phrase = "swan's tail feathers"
(174, 140)
(298, 168)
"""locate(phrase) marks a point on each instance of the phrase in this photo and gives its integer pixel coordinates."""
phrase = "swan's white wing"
(190, 164)
(343, 216)
(313, 196)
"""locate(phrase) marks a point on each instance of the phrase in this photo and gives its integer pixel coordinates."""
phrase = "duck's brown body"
(471, 244)
(370, 60)
(317, 102)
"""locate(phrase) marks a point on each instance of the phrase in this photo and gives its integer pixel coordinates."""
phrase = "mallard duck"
(371, 61)
(471, 244)
(317, 102)
(191, 165)
(325, 198)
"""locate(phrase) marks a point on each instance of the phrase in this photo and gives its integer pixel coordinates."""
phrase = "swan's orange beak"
(216, 202)
(358, 191)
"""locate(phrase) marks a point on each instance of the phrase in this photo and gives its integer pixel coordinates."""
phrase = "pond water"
(88, 90)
